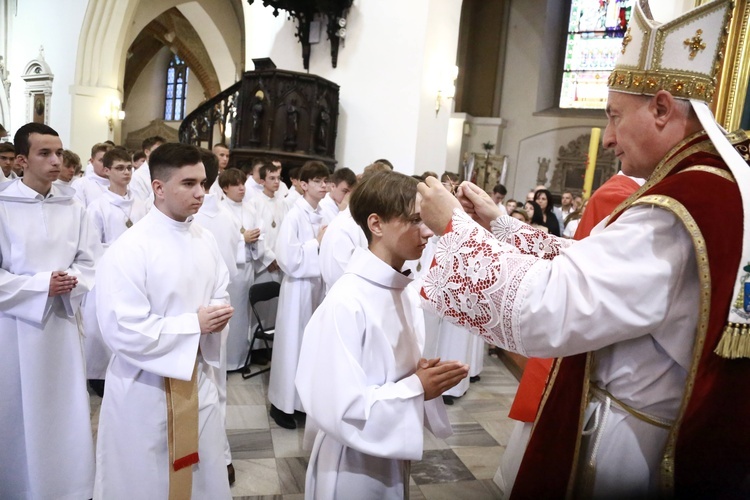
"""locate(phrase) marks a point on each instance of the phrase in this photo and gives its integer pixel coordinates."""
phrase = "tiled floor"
(270, 462)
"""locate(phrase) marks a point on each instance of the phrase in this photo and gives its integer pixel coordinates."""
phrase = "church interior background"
(426, 84)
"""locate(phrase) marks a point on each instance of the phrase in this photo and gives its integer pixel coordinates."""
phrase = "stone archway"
(109, 27)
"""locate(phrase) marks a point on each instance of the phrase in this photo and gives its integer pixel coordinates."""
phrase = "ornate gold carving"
(735, 72)
(695, 44)
(626, 40)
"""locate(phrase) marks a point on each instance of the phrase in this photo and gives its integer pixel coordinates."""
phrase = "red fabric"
(186, 461)
(604, 201)
(712, 457)
(530, 389)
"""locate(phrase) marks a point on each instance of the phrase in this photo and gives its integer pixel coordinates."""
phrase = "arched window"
(177, 76)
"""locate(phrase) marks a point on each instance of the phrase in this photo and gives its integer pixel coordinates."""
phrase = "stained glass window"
(595, 33)
(175, 96)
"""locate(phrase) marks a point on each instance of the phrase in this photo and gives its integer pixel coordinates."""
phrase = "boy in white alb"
(296, 192)
(47, 255)
(214, 216)
(141, 182)
(302, 289)
(111, 215)
(160, 298)
(232, 183)
(340, 184)
(90, 187)
(70, 163)
(269, 206)
(342, 237)
(361, 377)
(221, 152)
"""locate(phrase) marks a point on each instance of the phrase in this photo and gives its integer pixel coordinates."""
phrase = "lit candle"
(588, 181)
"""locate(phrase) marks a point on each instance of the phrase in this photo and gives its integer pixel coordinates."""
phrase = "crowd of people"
(137, 279)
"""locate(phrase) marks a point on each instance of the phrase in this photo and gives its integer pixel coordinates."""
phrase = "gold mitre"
(681, 56)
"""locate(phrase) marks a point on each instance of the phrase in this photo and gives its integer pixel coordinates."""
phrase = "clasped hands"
(438, 203)
(438, 376)
(214, 318)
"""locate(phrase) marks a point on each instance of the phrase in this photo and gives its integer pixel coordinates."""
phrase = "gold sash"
(182, 434)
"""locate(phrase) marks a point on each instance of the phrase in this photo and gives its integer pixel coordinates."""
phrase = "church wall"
(54, 26)
(527, 51)
(384, 99)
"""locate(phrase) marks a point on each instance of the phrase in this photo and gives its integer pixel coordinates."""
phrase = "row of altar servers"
(249, 262)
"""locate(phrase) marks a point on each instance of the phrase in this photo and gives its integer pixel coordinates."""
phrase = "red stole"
(708, 452)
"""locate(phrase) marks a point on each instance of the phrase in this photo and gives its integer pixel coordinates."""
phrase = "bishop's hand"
(477, 203)
(437, 205)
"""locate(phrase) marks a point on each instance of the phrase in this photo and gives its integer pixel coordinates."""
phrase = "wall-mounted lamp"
(112, 111)
(447, 87)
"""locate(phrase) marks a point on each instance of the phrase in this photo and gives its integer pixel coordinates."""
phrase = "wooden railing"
(214, 121)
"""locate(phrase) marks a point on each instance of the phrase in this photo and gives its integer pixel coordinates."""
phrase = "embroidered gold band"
(680, 85)
(711, 170)
(182, 434)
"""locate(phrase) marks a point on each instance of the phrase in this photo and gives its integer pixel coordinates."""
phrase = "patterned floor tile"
(439, 466)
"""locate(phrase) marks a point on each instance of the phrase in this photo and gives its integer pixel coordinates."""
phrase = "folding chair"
(260, 292)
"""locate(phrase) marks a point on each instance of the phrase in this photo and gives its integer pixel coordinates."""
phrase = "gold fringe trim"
(734, 342)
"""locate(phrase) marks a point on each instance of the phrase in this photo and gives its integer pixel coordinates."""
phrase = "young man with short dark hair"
(47, 255)
(161, 302)
(7, 158)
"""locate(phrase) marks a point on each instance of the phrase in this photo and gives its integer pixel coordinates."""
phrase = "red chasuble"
(707, 454)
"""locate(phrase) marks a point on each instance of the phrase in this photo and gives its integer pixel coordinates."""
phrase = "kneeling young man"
(361, 378)
(161, 302)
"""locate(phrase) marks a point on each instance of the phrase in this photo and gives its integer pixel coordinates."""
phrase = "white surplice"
(140, 184)
(342, 237)
(109, 215)
(329, 208)
(238, 343)
(271, 212)
(215, 216)
(216, 190)
(90, 188)
(149, 287)
(47, 449)
(291, 198)
(629, 293)
(356, 379)
(302, 290)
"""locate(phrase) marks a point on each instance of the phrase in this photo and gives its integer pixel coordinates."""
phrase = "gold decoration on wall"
(735, 72)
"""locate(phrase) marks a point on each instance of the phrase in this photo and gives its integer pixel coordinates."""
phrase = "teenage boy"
(302, 289)
(221, 152)
(7, 158)
(232, 183)
(271, 210)
(361, 377)
(93, 185)
(296, 192)
(70, 163)
(111, 214)
(340, 184)
(47, 254)
(215, 216)
(161, 300)
(141, 182)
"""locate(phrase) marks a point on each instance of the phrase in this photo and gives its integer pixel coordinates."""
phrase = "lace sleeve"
(475, 281)
(526, 239)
